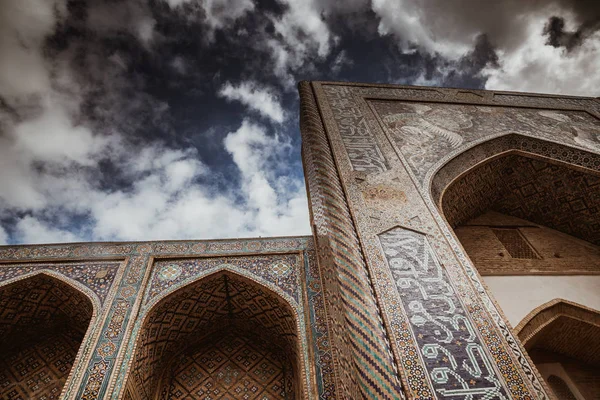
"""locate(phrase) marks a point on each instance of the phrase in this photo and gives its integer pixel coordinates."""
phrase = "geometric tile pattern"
(322, 340)
(278, 269)
(215, 305)
(40, 303)
(97, 276)
(365, 367)
(549, 194)
(42, 324)
(229, 366)
(39, 370)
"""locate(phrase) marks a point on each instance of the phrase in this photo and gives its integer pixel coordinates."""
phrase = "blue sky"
(177, 119)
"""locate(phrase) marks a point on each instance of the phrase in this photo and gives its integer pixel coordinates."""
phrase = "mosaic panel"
(281, 270)
(97, 276)
(426, 132)
(38, 371)
(211, 305)
(456, 359)
(363, 151)
(321, 339)
(375, 208)
(230, 366)
(545, 193)
(363, 360)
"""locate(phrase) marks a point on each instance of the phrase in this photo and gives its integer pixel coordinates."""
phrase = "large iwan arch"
(527, 213)
(43, 321)
(222, 336)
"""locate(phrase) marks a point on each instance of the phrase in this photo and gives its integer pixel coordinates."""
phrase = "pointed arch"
(44, 319)
(93, 297)
(468, 161)
(544, 315)
(563, 339)
(467, 157)
(227, 307)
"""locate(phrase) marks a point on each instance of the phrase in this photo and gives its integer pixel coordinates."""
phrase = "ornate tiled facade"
(381, 303)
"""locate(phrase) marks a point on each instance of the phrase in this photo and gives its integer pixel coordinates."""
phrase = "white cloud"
(255, 97)
(273, 201)
(301, 37)
(24, 25)
(32, 230)
(301, 21)
(537, 67)
(3, 236)
(52, 157)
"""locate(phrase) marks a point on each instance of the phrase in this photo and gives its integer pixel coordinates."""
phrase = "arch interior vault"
(224, 336)
(42, 324)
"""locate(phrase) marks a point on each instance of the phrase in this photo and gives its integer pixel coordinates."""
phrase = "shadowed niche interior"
(519, 214)
(563, 340)
(224, 336)
(42, 324)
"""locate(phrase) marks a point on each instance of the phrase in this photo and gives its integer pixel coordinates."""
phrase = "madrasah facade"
(454, 255)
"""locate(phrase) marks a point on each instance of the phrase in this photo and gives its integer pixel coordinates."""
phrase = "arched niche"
(44, 319)
(520, 205)
(563, 340)
(222, 336)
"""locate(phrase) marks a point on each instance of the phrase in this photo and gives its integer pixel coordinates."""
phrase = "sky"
(178, 119)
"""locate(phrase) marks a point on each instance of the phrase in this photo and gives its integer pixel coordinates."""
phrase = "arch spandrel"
(95, 278)
(76, 285)
(169, 305)
(280, 272)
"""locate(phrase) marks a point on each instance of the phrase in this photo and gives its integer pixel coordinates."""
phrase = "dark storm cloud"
(559, 36)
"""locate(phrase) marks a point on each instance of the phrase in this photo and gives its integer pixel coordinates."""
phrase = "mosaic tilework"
(548, 194)
(40, 301)
(96, 276)
(364, 152)
(280, 270)
(229, 366)
(42, 323)
(321, 337)
(456, 359)
(38, 371)
(425, 132)
(362, 348)
(209, 306)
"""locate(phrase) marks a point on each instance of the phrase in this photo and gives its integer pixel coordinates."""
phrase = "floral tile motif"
(282, 270)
